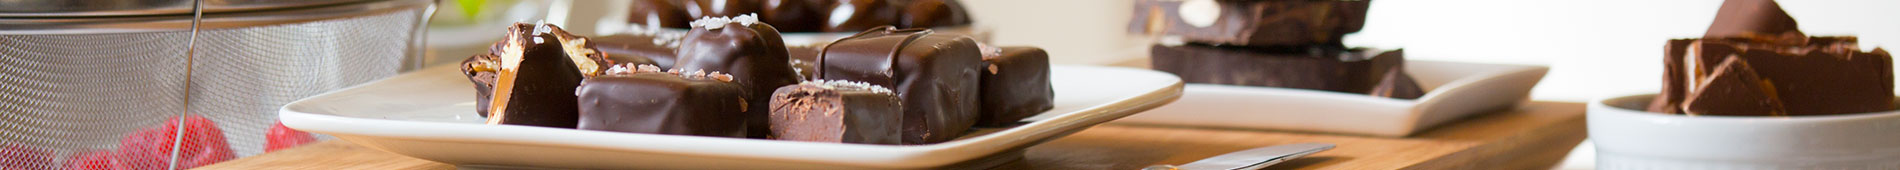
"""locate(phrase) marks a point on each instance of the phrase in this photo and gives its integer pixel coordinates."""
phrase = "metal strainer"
(82, 76)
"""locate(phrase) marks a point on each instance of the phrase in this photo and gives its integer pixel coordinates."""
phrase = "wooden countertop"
(1536, 135)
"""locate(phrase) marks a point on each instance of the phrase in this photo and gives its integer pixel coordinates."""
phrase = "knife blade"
(1250, 159)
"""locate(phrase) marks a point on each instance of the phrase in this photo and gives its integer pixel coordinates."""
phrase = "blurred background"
(1594, 48)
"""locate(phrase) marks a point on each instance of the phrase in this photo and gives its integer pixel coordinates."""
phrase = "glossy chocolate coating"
(653, 48)
(1761, 21)
(933, 13)
(662, 103)
(1324, 68)
(837, 111)
(720, 8)
(1254, 22)
(1734, 89)
(794, 15)
(935, 75)
(754, 54)
(662, 13)
(538, 89)
(859, 15)
(1015, 85)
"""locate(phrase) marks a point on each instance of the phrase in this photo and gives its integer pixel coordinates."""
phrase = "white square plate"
(429, 114)
(1457, 90)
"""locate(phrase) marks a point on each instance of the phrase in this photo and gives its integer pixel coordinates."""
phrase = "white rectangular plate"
(429, 114)
(1457, 90)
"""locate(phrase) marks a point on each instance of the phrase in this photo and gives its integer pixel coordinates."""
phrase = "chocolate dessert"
(1753, 62)
(807, 15)
(1250, 22)
(749, 50)
(1320, 68)
(534, 71)
(837, 111)
(935, 75)
(644, 100)
(1015, 85)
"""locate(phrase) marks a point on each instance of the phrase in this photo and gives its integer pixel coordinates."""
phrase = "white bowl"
(1627, 137)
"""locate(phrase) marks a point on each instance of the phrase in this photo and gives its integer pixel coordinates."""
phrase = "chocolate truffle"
(935, 75)
(536, 70)
(650, 47)
(794, 15)
(749, 50)
(658, 13)
(1015, 85)
(933, 13)
(1249, 22)
(858, 15)
(720, 8)
(838, 112)
(644, 100)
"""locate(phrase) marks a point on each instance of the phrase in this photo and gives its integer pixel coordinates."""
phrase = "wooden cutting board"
(1536, 135)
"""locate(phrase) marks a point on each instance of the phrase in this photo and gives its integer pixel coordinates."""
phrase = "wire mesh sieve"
(70, 96)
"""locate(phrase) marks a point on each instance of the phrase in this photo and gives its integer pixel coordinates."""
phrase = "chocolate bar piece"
(1327, 68)
(859, 15)
(700, 9)
(936, 75)
(656, 48)
(536, 70)
(933, 13)
(749, 50)
(644, 100)
(1394, 82)
(1734, 89)
(1753, 44)
(659, 13)
(837, 111)
(1250, 22)
(1015, 85)
(480, 70)
(1829, 75)
(1675, 79)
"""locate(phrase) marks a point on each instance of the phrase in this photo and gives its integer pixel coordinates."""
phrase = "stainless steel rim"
(164, 23)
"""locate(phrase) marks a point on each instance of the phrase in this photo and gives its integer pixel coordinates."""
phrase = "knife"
(1249, 159)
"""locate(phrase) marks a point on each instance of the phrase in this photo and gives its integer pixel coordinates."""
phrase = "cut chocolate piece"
(658, 13)
(1015, 85)
(936, 75)
(837, 111)
(1675, 78)
(1355, 71)
(1826, 76)
(1250, 22)
(652, 47)
(859, 15)
(1761, 21)
(1734, 89)
(1394, 82)
(933, 13)
(701, 9)
(794, 15)
(537, 68)
(480, 70)
(648, 101)
(749, 50)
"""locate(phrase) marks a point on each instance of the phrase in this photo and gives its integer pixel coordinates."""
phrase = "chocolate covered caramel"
(642, 99)
(935, 75)
(750, 50)
(535, 69)
(838, 112)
